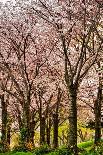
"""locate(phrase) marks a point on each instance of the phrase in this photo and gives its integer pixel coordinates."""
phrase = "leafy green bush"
(94, 150)
(4, 147)
(63, 151)
(99, 148)
(42, 150)
(23, 153)
(92, 153)
(23, 134)
(85, 144)
(60, 151)
(19, 148)
(17, 153)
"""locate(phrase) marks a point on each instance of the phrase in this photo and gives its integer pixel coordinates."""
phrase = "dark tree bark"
(32, 127)
(26, 120)
(97, 111)
(55, 131)
(42, 120)
(42, 130)
(25, 128)
(8, 134)
(72, 133)
(19, 118)
(4, 123)
(56, 119)
(48, 129)
(48, 120)
(48, 135)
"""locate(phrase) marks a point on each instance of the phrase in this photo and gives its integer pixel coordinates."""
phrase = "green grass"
(86, 148)
(85, 144)
(51, 153)
(17, 153)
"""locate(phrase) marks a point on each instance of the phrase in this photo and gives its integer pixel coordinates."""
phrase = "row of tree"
(47, 50)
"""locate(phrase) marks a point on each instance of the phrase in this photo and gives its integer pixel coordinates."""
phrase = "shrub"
(99, 148)
(23, 153)
(19, 148)
(4, 147)
(63, 151)
(23, 147)
(85, 144)
(42, 150)
(95, 150)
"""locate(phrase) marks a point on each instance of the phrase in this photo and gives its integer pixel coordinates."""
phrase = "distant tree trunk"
(97, 111)
(25, 130)
(42, 130)
(8, 134)
(19, 118)
(48, 131)
(32, 127)
(28, 122)
(55, 119)
(55, 133)
(72, 133)
(4, 123)
(48, 135)
(48, 122)
(42, 121)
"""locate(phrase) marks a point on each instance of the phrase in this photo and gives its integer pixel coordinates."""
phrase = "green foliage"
(85, 133)
(94, 150)
(91, 124)
(20, 148)
(28, 146)
(45, 150)
(4, 147)
(63, 151)
(1, 147)
(17, 153)
(42, 150)
(92, 153)
(85, 144)
(23, 146)
(23, 153)
(60, 151)
(99, 148)
(23, 134)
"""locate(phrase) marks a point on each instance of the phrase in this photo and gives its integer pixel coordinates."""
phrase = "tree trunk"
(48, 135)
(32, 126)
(19, 118)
(72, 134)
(25, 130)
(28, 122)
(55, 133)
(4, 123)
(97, 111)
(8, 134)
(42, 130)
(48, 131)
